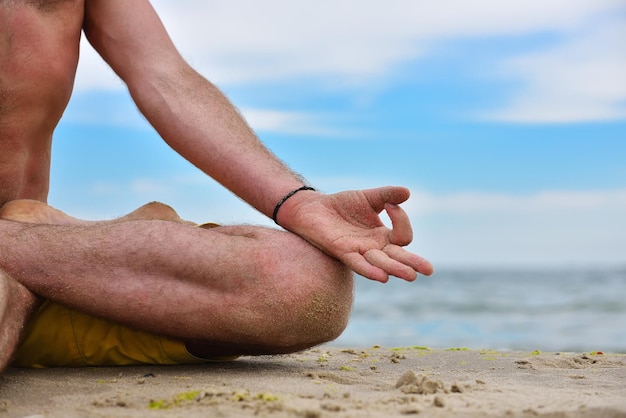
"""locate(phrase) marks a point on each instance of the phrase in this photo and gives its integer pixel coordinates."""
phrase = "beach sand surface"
(333, 382)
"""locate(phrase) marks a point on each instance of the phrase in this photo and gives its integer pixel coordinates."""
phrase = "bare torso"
(39, 44)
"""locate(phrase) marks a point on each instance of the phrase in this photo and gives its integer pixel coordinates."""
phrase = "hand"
(346, 226)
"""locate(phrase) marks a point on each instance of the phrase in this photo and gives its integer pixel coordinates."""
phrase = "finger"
(417, 263)
(357, 263)
(390, 194)
(401, 231)
(393, 267)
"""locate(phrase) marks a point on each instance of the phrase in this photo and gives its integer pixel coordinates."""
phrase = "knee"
(322, 314)
(313, 299)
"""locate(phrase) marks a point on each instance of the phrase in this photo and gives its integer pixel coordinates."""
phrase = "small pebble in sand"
(395, 357)
(456, 388)
(410, 410)
(407, 378)
(309, 413)
(331, 407)
(409, 382)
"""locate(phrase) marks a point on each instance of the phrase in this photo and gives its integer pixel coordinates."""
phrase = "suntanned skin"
(18, 301)
(231, 289)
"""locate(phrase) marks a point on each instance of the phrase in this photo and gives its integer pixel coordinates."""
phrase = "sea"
(546, 309)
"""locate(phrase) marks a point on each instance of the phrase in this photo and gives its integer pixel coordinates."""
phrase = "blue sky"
(507, 120)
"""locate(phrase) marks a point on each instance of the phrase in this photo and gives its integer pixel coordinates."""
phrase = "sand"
(332, 382)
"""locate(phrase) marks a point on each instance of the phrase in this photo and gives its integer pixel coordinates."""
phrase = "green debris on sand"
(186, 398)
(239, 397)
(105, 381)
(266, 397)
(490, 354)
(245, 396)
(178, 400)
(411, 347)
(158, 404)
(323, 358)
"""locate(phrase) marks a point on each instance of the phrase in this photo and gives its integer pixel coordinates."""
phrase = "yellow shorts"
(57, 336)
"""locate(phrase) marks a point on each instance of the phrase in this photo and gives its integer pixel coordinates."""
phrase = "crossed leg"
(17, 303)
(228, 290)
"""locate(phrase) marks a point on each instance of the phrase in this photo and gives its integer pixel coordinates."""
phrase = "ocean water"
(550, 310)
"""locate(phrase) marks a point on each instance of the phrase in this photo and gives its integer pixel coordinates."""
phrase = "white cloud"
(93, 73)
(246, 40)
(492, 203)
(290, 122)
(352, 42)
(117, 109)
(581, 79)
(550, 227)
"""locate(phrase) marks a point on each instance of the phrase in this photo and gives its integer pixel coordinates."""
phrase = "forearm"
(190, 113)
(200, 123)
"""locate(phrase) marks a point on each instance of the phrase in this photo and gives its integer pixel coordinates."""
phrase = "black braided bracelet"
(284, 199)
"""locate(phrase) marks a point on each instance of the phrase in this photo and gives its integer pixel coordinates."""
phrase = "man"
(199, 293)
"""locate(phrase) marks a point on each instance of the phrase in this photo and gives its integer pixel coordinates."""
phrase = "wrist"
(287, 197)
(290, 203)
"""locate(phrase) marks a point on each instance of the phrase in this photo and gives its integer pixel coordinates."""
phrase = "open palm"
(347, 226)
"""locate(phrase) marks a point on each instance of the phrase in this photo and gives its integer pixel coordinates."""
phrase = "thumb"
(390, 194)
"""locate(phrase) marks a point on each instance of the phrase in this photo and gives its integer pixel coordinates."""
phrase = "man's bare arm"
(199, 122)
(188, 111)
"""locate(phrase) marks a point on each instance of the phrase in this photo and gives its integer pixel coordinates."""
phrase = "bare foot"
(154, 211)
(34, 211)
(17, 303)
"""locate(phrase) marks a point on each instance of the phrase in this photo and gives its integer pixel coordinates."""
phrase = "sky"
(506, 120)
